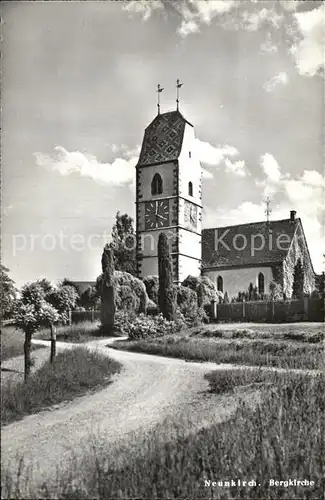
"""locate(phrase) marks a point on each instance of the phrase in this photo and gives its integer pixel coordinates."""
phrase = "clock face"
(156, 214)
(190, 215)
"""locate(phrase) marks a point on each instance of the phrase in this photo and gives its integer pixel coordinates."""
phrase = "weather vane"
(178, 86)
(159, 89)
(267, 210)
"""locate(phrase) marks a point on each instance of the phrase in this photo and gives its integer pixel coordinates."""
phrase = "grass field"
(284, 346)
(72, 373)
(78, 333)
(12, 342)
(280, 438)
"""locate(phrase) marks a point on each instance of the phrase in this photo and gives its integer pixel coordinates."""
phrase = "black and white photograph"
(162, 249)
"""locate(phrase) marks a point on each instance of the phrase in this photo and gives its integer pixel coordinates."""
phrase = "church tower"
(169, 196)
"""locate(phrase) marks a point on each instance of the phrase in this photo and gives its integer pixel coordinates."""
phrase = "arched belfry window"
(261, 283)
(156, 184)
(220, 284)
(190, 189)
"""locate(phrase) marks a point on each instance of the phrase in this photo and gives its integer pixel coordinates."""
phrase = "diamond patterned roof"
(163, 139)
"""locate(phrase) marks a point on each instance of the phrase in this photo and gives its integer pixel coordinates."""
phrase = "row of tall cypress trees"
(167, 297)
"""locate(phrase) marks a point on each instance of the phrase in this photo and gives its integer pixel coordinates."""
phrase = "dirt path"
(148, 389)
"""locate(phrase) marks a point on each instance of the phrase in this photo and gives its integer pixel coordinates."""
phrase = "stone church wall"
(238, 279)
(298, 250)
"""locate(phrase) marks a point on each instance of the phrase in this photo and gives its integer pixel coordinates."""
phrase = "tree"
(108, 302)
(64, 299)
(152, 287)
(275, 290)
(298, 280)
(89, 299)
(205, 289)
(68, 282)
(167, 298)
(7, 293)
(31, 312)
(123, 244)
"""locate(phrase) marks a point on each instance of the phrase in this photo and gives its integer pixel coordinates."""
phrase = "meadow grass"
(281, 437)
(273, 353)
(12, 342)
(78, 333)
(71, 374)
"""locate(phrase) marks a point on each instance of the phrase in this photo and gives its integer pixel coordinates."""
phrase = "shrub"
(108, 290)
(205, 289)
(152, 286)
(130, 292)
(142, 326)
(167, 298)
(187, 303)
(186, 299)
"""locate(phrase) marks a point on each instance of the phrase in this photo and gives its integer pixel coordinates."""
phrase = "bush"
(152, 286)
(186, 299)
(187, 303)
(130, 292)
(204, 288)
(142, 326)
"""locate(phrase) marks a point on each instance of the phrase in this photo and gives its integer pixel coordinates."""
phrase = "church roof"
(228, 253)
(163, 139)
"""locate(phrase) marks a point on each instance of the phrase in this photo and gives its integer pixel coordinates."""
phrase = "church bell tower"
(169, 196)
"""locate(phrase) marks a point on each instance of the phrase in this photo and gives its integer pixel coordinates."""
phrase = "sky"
(79, 87)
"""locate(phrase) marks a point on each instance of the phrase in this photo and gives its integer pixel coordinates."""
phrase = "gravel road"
(146, 391)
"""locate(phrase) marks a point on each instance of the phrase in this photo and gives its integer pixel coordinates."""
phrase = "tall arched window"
(220, 284)
(156, 184)
(190, 188)
(261, 283)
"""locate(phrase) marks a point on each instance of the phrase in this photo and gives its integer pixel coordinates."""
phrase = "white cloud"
(121, 171)
(252, 21)
(305, 194)
(236, 167)
(187, 28)
(270, 167)
(212, 155)
(269, 46)
(215, 155)
(279, 79)
(309, 52)
(206, 174)
(143, 7)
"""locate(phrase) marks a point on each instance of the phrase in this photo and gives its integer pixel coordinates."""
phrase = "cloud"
(309, 52)
(120, 172)
(252, 21)
(212, 155)
(143, 7)
(216, 155)
(206, 174)
(269, 46)
(270, 167)
(304, 193)
(236, 168)
(279, 79)
(188, 27)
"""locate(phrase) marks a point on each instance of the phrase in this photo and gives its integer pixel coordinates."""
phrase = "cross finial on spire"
(159, 89)
(268, 210)
(178, 86)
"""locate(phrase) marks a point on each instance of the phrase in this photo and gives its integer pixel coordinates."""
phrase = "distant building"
(83, 285)
(169, 200)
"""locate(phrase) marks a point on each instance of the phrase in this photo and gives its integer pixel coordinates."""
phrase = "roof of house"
(83, 285)
(163, 139)
(250, 244)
